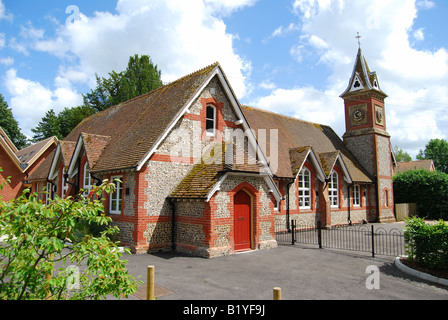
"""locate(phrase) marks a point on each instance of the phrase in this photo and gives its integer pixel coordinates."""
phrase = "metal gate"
(377, 240)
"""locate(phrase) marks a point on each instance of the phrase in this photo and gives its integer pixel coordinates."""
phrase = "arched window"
(305, 189)
(386, 198)
(210, 122)
(333, 190)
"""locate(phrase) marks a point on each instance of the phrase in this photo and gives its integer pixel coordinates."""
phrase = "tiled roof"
(94, 145)
(204, 175)
(297, 134)
(413, 165)
(42, 171)
(30, 154)
(67, 148)
(136, 125)
(298, 157)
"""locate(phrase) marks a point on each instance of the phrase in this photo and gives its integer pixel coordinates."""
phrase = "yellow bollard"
(150, 283)
(277, 293)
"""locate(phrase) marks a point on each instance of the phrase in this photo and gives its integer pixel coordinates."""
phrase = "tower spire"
(362, 79)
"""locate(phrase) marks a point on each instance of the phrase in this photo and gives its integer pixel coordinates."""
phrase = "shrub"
(34, 242)
(427, 244)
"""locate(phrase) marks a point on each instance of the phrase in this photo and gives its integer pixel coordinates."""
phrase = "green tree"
(69, 118)
(35, 246)
(48, 127)
(437, 150)
(401, 155)
(141, 76)
(10, 125)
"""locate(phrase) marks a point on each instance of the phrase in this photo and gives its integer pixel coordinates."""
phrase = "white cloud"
(281, 31)
(31, 100)
(268, 85)
(425, 4)
(3, 14)
(7, 61)
(328, 31)
(226, 7)
(306, 103)
(180, 36)
(2, 40)
(419, 34)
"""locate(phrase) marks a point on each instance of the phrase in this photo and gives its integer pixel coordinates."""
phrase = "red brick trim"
(172, 159)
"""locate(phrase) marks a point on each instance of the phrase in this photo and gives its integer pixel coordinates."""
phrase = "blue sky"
(289, 56)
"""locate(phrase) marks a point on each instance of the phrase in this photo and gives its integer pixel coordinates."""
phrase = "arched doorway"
(242, 220)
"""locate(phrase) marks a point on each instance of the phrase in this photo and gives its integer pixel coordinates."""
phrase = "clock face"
(358, 115)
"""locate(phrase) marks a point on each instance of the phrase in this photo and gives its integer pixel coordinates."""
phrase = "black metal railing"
(364, 237)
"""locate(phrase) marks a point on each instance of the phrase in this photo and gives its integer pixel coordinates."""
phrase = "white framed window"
(49, 194)
(115, 201)
(87, 180)
(386, 198)
(276, 205)
(64, 184)
(305, 189)
(210, 121)
(356, 196)
(333, 190)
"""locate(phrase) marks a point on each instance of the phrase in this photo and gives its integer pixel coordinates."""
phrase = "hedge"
(427, 244)
(428, 189)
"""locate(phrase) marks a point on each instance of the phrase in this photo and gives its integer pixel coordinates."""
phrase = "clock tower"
(366, 137)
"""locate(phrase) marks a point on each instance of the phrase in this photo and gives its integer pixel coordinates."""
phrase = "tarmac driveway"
(302, 273)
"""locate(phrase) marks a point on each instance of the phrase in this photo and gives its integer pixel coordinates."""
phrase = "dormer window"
(210, 125)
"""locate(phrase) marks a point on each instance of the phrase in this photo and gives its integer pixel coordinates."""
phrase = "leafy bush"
(428, 189)
(427, 244)
(34, 242)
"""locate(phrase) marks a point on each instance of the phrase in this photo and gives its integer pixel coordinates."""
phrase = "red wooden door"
(242, 223)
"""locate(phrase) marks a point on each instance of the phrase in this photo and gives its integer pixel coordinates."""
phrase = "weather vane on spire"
(358, 37)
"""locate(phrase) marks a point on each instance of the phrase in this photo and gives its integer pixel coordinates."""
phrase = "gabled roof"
(25, 158)
(328, 161)
(362, 78)
(137, 127)
(93, 146)
(9, 148)
(295, 134)
(298, 157)
(42, 171)
(64, 153)
(29, 155)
